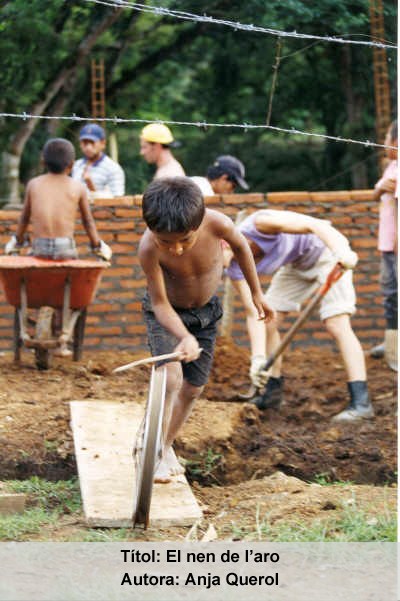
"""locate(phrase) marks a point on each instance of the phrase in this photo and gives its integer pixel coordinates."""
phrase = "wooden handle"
(167, 357)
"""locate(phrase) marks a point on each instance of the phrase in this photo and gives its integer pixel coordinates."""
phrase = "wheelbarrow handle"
(332, 277)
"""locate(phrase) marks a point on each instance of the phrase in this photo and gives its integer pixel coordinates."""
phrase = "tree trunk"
(354, 106)
(67, 73)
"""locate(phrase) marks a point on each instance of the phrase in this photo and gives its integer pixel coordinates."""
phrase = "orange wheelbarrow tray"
(67, 285)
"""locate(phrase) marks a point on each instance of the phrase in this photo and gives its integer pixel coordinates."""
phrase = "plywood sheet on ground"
(104, 434)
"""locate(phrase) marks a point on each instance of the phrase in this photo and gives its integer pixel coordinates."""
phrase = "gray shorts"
(201, 323)
(54, 248)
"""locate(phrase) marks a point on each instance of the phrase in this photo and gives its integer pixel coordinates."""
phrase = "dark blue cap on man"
(92, 132)
(233, 168)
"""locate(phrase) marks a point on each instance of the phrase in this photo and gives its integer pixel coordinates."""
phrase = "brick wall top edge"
(251, 198)
(287, 196)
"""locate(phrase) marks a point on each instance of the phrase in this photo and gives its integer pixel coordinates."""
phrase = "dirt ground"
(236, 455)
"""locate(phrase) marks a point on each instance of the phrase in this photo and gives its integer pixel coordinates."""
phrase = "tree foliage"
(159, 67)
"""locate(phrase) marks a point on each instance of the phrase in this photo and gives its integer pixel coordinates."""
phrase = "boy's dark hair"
(58, 154)
(393, 130)
(173, 204)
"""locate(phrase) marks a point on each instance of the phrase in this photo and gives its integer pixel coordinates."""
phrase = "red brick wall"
(115, 321)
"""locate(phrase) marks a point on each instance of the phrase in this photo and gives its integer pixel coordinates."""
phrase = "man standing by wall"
(223, 176)
(102, 176)
(156, 141)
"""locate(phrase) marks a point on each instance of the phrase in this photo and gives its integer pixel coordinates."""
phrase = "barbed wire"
(200, 124)
(166, 12)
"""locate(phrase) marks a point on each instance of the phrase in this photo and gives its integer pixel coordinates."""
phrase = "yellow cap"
(157, 132)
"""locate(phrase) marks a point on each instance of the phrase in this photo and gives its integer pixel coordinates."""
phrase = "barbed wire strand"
(166, 12)
(201, 124)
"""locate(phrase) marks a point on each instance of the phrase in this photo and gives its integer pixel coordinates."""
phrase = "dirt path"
(228, 445)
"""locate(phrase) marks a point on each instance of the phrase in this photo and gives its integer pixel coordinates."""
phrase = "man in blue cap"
(102, 176)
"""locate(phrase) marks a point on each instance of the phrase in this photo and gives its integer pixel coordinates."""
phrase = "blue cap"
(92, 132)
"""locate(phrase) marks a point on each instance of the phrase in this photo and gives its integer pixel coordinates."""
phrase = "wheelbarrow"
(66, 286)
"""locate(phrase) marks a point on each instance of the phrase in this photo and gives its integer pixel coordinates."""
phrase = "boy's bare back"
(52, 201)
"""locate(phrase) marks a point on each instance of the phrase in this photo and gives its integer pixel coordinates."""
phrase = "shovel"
(332, 277)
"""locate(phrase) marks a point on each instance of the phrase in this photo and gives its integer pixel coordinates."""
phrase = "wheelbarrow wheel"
(79, 332)
(148, 447)
(42, 358)
(43, 332)
(17, 341)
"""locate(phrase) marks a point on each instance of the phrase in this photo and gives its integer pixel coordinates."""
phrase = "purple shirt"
(301, 250)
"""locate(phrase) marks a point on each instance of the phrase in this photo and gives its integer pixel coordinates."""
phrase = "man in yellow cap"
(156, 141)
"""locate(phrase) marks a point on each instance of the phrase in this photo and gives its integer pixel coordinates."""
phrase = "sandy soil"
(233, 450)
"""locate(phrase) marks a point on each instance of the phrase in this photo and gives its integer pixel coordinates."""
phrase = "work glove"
(12, 247)
(103, 251)
(258, 375)
(347, 258)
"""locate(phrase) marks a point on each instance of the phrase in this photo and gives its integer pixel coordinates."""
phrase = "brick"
(336, 196)
(235, 199)
(106, 330)
(102, 214)
(125, 260)
(9, 216)
(368, 242)
(118, 201)
(125, 248)
(128, 213)
(361, 194)
(117, 272)
(285, 197)
(128, 237)
(136, 329)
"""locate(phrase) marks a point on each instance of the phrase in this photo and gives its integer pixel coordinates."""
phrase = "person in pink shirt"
(386, 193)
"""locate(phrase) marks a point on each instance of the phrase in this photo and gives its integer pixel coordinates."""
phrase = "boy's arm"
(16, 242)
(385, 184)
(275, 222)
(98, 246)
(163, 310)
(25, 216)
(244, 257)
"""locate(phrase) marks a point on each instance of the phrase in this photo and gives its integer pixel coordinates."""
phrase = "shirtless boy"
(300, 251)
(181, 255)
(50, 205)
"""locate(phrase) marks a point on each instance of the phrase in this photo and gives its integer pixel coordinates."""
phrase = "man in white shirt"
(156, 141)
(223, 176)
(102, 176)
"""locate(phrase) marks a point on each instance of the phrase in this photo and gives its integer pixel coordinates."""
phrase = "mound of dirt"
(224, 442)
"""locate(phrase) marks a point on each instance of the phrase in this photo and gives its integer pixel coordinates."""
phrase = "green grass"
(49, 502)
(46, 502)
(18, 527)
(63, 495)
(351, 524)
(325, 479)
(203, 467)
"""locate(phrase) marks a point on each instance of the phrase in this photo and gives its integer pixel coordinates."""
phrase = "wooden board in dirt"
(104, 434)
